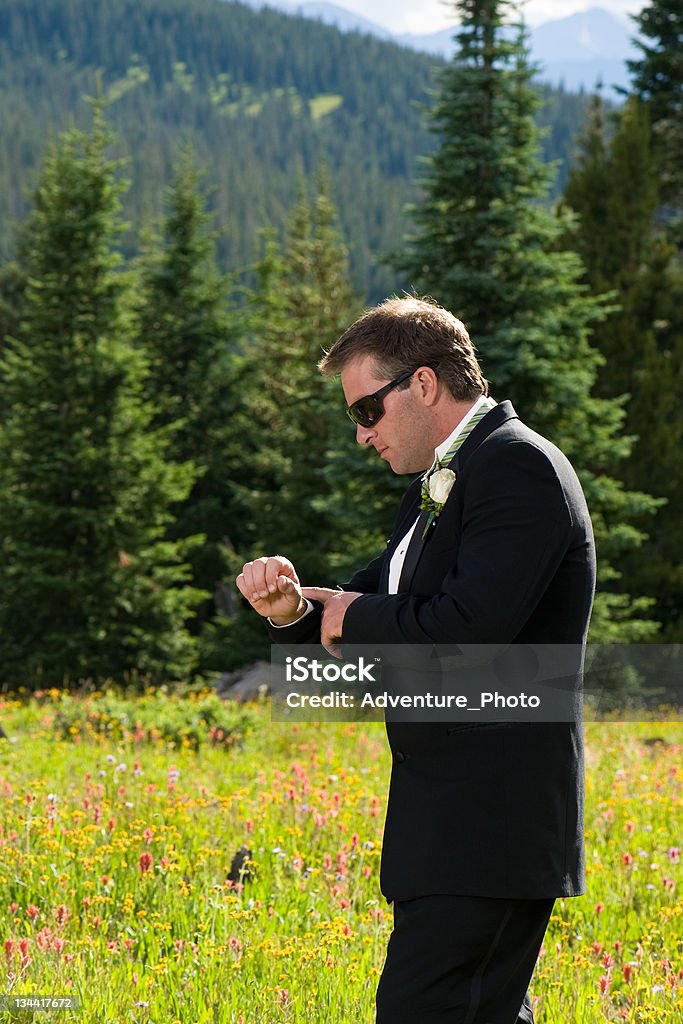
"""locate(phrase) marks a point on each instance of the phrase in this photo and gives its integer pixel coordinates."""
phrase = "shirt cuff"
(309, 609)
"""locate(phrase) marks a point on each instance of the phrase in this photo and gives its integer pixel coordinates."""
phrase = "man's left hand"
(335, 604)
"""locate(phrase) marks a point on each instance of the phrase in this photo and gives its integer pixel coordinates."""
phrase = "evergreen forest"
(196, 199)
(263, 99)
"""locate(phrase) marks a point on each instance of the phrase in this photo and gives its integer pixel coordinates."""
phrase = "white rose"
(440, 484)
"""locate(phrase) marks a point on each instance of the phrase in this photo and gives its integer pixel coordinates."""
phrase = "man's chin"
(401, 468)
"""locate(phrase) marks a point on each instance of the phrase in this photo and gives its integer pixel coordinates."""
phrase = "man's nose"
(364, 435)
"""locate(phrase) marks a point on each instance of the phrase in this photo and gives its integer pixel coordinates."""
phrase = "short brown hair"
(403, 333)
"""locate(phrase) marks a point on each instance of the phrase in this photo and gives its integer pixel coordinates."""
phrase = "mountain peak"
(575, 51)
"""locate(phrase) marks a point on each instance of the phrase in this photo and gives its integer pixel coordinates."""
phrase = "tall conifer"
(613, 189)
(186, 330)
(486, 247)
(658, 81)
(303, 303)
(90, 588)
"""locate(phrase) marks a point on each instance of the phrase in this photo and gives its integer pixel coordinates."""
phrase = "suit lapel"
(493, 419)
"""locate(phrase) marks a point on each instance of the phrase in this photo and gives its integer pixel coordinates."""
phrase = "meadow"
(121, 817)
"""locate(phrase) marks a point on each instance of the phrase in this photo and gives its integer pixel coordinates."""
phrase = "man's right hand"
(271, 586)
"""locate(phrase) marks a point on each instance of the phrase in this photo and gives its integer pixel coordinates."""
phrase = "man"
(484, 825)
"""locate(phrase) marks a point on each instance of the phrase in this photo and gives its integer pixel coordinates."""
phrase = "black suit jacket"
(484, 809)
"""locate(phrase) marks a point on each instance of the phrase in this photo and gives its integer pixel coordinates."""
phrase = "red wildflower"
(145, 862)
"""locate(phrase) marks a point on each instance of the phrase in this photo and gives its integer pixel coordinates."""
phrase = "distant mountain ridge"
(265, 100)
(576, 52)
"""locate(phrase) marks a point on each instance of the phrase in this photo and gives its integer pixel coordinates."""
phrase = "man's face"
(403, 435)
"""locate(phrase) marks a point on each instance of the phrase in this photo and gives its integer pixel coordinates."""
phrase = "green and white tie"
(454, 447)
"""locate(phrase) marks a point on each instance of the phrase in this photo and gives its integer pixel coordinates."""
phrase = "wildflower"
(14, 907)
(605, 982)
(627, 858)
(630, 826)
(9, 948)
(145, 862)
(599, 907)
(62, 914)
(32, 911)
(628, 972)
(148, 835)
(674, 854)
(44, 938)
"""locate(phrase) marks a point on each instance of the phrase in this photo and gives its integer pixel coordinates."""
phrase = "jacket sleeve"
(516, 528)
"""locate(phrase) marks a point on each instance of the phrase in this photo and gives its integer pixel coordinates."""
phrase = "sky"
(424, 16)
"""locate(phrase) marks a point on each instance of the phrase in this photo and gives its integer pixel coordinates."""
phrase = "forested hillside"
(262, 98)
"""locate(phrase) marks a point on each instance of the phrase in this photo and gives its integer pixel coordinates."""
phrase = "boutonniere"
(436, 487)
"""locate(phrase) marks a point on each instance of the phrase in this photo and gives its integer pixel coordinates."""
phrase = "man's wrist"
(303, 607)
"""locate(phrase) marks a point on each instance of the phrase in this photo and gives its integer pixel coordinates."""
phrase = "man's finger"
(332, 645)
(321, 594)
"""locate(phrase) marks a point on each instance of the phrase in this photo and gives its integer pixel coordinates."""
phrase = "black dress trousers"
(461, 960)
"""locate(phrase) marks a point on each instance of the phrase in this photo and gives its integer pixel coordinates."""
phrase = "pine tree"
(613, 189)
(658, 81)
(302, 304)
(294, 428)
(186, 330)
(486, 247)
(90, 588)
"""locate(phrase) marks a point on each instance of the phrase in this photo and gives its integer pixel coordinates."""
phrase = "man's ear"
(428, 383)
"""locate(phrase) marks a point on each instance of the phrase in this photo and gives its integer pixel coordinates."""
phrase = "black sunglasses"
(370, 408)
